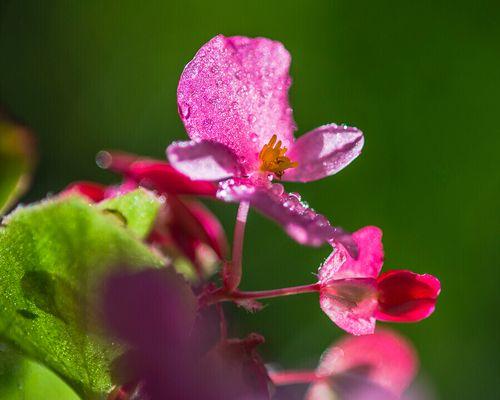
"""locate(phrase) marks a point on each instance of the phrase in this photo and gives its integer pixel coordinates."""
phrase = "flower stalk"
(232, 270)
(222, 294)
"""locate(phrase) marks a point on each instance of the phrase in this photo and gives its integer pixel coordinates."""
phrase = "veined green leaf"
(52, 258)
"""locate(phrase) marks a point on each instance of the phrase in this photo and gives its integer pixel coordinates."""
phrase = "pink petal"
(340, 264)
(348, 387)
(209, 161)
(405, 296)
(235, 92)
(371, 255)
(302, 223)
(350, 304)
(383, 359)
(323, 152)
(94, 192)
(154, 174)
(197, 222)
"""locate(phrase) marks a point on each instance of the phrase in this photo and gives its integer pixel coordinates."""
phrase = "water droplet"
(321, 220)
(310, 213)
(103, 159)
(277, 189)
(184, 110)
(295, 195)
(254, 138)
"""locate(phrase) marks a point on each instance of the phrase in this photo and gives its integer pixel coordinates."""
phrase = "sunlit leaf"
(52, 257)
(16, 161)
(137, 210)
(24, 379)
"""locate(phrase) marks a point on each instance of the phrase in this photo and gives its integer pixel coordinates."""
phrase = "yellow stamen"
(273, 159)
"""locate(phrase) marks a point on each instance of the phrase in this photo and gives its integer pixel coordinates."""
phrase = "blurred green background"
(421, 79)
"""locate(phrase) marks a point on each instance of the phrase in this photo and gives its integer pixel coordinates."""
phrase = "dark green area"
(421, 79)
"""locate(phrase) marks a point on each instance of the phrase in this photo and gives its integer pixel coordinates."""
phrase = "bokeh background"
(421, 79)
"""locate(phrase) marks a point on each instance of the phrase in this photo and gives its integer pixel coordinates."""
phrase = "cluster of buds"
(233, 101)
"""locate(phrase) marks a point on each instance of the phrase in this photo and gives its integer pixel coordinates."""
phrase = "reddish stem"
(223, 295)
(232, 269)
(281, 378)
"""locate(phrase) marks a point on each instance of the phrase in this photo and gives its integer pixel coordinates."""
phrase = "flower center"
(273, 159)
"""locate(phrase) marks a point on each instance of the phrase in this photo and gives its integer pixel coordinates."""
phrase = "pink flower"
(376, 367)
(354, 296)
(233, 100)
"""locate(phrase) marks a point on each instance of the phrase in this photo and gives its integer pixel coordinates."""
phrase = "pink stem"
(232, 269)
(224, 295)
(281, 378)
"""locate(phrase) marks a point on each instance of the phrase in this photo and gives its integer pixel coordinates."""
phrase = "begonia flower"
(376, 367)
(233, 101)
(354, 295)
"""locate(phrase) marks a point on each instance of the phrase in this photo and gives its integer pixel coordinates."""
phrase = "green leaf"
(16, 162)
(52, 258)
(137, 210)
(24, 379)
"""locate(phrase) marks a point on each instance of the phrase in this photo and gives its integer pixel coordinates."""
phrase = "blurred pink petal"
(323, 152)
(350, 304)
(235, 92)
(299, 221)
(154, 174)
(94, 192)
(371, 364)
(197, 224)
(209, 161)
(405, 296)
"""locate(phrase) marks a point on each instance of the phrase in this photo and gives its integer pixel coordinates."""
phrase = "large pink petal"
(405, 296)
(350, 304)
(299, 221)
(209, 161)
(323, 152)
(383, 359)
(235, 92)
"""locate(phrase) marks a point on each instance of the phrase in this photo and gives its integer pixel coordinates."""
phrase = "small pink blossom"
(233, 100)
(377, 367)
(354, 296)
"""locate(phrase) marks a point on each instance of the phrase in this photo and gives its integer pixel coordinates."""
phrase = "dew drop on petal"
(277, 189)
(184, 110)
(296, 195)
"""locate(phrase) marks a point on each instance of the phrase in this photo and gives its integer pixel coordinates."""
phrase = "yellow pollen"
(273, 159)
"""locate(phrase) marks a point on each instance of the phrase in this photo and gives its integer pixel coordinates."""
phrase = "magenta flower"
(354, 296)
(377, 367)
(233, 100)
